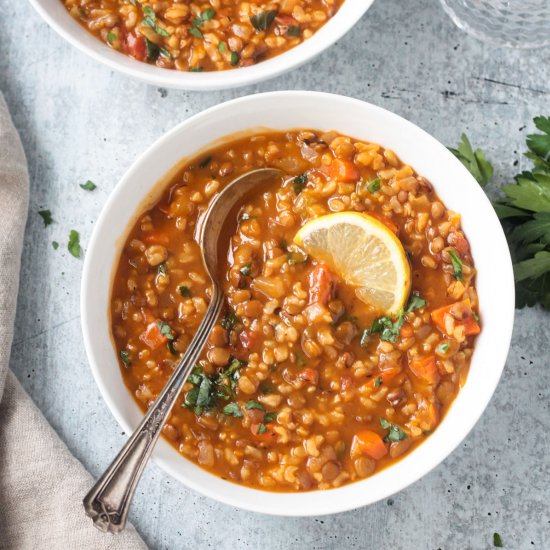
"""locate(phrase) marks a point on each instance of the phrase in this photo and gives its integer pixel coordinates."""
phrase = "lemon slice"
(364, 253)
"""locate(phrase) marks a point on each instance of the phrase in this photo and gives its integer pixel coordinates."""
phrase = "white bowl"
(54, 13)
(282, 111)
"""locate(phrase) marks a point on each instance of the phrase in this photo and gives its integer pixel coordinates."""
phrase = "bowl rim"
(335, 28)
(324, 505)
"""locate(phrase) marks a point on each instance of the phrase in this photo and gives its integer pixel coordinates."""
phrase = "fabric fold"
(41, 483)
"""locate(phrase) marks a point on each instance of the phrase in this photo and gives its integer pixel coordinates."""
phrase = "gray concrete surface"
(79, 121)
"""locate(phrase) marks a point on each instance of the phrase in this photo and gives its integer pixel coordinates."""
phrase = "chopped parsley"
(497, 541)
(251, 404)
(125, 356)
(46, 216)
(395, 432)
(442, 348)
(388, 327)
(457, 264)
(74, 243)
(111, 37)
(221, 47)
(195, 70)
(234, 59)
(229, 321)
(415, 302)
(232, 409)
(270, 417)
(263, 20)
(184, 291)
(196, 32)
(373, 185)
(246, 269)
(378, 382)
(165, 330)
(299, 182)
(171, 348)
(206, 15)
(297, 257)
(294, 30)
(153, 51)
(261, 429)
(55, 245)
(88, 186)
(150, 21)
(162, 269)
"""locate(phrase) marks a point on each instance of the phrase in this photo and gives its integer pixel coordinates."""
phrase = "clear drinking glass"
(515, 23)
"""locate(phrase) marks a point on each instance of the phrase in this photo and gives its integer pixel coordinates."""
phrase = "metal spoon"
(108, 501)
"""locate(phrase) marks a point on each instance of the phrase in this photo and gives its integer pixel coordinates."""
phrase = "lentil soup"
(196, 36)
(302, 385)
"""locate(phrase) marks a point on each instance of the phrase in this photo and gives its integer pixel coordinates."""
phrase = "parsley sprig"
(524, 210)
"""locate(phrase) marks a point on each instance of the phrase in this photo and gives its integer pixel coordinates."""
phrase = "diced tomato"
(471, 326)
(343, 170)
(268, 436)
(249, 338)
(136, 46)
(310, 375)
(425, 368)
(407, 330)
(369, 443)
(461, 244)
(152, 336)
(322, 285)
(385, 220)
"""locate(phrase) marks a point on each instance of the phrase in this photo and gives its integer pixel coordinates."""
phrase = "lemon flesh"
(364, 253)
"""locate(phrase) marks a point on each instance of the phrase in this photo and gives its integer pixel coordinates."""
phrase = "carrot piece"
(385, 220)
(152, 336)
(344, 170)
(407, 330)
(322, 285)
(370, 443)
(267, 435)
(310, 375)
(471, 326)
(425, 368)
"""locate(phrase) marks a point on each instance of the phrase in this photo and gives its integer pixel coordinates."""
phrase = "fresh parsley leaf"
(299, 182)
(229, 321)
(208, 14)
(263, 20)
(46, 216)
(74, 243)
(475, 162)
(251, 404)
(533, 230)
(533, 268)
(165, 330)
(261, 429)
(88, 186)
(184, 291)
(232, 409)
(539, 144)
(497, 541)
(270, 417)
(55, 245)
(415, 302)
(125, 356)
(456, 263)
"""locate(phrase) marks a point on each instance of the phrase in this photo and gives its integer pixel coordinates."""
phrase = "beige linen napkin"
(41, 483)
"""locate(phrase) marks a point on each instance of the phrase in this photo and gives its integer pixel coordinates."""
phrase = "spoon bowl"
(108, 501)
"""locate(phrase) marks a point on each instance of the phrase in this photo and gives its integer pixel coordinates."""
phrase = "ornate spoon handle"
(108, 501)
